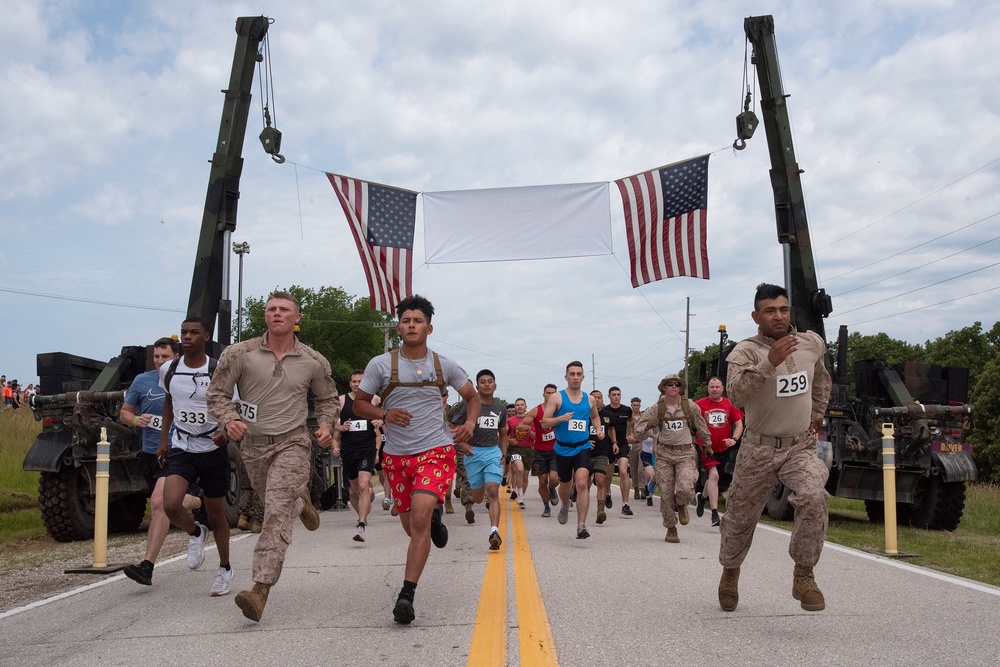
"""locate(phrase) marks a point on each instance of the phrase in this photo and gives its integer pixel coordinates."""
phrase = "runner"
(619, 415)
(543, 463)
(725, 423)
(520, 450)
(602, 450)
(354, 440)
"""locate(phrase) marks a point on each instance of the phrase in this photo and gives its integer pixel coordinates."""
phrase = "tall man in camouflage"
(274, 374)
(779, 378)
(676, 470)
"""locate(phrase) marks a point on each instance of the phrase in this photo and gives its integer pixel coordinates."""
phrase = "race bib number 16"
(792, 385)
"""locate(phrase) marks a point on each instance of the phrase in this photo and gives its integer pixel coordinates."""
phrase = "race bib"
(593, 430)
(578, 425)
(674, 425)
(548, 437)
(358, 425)
(716, 418)
(155, 423)
(192, 417)
(792, 385)
(248, 412)
(488, 422)
(515, 457)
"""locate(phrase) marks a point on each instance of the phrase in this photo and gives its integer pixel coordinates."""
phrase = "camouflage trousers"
(758, 467)
(251, 505)
(279, 473)
(635, 465)
(462, 479)
(676, 473)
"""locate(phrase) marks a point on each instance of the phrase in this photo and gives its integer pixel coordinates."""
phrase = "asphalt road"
(622, 597)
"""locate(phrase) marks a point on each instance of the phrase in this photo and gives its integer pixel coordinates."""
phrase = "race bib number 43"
(792, 385)
(488, 421)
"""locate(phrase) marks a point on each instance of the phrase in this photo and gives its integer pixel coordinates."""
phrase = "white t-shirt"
(193, 426)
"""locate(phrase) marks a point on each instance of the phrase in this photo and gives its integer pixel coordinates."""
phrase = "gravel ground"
(32, 570)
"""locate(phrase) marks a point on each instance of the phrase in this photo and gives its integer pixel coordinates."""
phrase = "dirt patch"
(33, 569)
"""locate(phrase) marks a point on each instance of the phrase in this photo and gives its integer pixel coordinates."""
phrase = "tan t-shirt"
(675, 429)
(779, 401)
(272, 392)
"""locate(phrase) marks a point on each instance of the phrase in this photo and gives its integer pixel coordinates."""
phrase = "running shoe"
(196, 547)
(403, 611)
(439, 531)
(359, 534)
(495, 541)
(607, 501)
(563, 515)
(649, 501)
(699, 507)
(715, 518)
(553, 495)
(386, 504)
(581, 533)
(140, 572)
(520, 503)
(223, 582)
(626, 510)
(546, 512)
(513, 495)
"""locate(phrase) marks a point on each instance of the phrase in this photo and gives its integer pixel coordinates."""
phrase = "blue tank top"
(576, 431)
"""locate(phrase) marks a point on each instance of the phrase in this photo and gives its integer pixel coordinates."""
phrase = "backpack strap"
(394, 375)
(172, 369)
(661, 409)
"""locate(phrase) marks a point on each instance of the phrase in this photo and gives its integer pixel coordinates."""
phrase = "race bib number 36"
(792, 385)
(578, 425)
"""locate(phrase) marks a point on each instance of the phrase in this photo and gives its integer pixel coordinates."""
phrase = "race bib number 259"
(792, 385)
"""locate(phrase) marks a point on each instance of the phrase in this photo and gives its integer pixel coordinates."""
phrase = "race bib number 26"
(792, 385)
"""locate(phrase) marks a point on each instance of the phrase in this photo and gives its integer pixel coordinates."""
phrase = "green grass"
(971, 551)
(19, 514)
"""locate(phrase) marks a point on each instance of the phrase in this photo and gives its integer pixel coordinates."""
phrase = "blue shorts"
(485, 464)
(646, 458)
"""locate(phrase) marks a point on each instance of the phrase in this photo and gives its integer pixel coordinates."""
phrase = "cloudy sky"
(111, 111)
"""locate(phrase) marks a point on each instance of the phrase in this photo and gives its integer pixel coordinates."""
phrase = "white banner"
(534, 222)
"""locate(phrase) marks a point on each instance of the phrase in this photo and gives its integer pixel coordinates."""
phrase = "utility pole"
(386, 327)
(593, 372)
(687, 343)
(240, 249)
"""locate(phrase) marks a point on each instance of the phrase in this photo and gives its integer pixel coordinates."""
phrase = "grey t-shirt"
(492, 416)
(427, 428)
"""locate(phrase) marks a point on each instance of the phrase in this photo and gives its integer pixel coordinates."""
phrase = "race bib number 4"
(488, 421)
(248, 412)
(674, 425)
(155, 423)
(578, 425)
(192, 417)
(792, 385)
(359, 425)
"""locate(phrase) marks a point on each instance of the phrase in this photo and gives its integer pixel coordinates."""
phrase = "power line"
(940, 282)
(96, 301)
(931, 305)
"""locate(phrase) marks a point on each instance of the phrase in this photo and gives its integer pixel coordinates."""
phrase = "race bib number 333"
(792, 385)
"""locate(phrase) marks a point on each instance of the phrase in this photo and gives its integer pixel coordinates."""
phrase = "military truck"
(927, 405)
(78, 396)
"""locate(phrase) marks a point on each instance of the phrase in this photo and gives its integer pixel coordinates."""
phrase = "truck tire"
(235, 481)
(125, 514)
(938, 505)
(778, 507)
(66, 504)
(876, 511)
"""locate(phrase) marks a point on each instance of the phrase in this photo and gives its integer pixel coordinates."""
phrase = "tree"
(343, 328)
(968, 347)
(986, 421)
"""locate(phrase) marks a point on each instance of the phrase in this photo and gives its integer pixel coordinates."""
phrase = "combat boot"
(805, 590)
(682, 514)
(243, 523)
(256, 526)
(602, 516)
(252, 602)
(309, 515)
(448, 508)
(672, 536)
(729, 592)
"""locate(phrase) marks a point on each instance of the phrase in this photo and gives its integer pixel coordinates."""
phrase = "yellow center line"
(534, 632)
(489, 635)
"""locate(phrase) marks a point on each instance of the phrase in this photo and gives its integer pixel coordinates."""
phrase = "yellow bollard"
(101, 501)
(889, 487)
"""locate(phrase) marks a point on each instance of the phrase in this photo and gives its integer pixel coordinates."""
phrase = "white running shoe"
(223, 582)
(196, 548)
(386, 504)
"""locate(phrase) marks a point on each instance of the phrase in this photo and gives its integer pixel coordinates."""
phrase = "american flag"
(382, 220)
(665, 221)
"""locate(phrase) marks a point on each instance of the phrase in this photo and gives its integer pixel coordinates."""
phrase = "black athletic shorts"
(149, 468)
(567, 465)
(210, 470)
(623, 452)
(542, 463)
(357, 459)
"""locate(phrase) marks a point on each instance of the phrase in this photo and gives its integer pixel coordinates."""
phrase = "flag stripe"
(387, 269)
(663, 245)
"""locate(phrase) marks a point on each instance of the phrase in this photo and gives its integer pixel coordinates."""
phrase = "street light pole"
(240, 249)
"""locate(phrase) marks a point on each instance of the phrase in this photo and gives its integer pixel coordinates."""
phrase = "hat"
(676, 378)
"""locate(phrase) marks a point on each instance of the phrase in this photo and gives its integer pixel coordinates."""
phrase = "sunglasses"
(671, 384)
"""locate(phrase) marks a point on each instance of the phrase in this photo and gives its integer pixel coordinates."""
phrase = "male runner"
(543, 463)
(520, 449)
(602, 450)
(780, 378)
(143, 409)
(274, 374)
(619, 414)
(570, 413)
(198, 451)
(725, 423)
(484, 461)
(354, 442)
(634, 460)
(419, 456)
